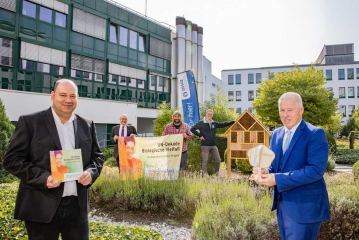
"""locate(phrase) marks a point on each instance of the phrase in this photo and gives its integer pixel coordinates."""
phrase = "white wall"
(210, 82)
(100, 111)
(244, 87)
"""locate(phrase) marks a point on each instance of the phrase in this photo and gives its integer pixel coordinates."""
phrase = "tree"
(319, 103)
(222, 112)
(6, 130)
(356, 116)
(164, 117)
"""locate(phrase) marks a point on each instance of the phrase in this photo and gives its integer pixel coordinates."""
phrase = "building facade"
(120, 60)
(210, 82)
(339, 69)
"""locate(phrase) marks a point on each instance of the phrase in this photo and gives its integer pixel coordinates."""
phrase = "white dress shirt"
(67, 138)
(291, 135)
(124, 132)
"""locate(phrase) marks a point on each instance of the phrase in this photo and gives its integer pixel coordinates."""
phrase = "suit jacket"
(115, 131)
(299, 173)
(28, 158)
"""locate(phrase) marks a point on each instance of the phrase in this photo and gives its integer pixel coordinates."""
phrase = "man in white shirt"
(50, 208)
(122, 130)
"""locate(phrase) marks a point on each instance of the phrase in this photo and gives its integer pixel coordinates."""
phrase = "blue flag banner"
(190, 107)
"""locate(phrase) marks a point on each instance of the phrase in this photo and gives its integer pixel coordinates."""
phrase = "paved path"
(343, 168)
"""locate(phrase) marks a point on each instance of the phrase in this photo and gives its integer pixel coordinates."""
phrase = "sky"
(261, 33)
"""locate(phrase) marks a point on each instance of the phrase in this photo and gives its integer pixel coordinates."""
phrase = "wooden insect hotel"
(246, 133)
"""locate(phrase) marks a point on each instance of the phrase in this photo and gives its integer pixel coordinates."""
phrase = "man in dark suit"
(49, 207)
(301, 155)
(122, 130)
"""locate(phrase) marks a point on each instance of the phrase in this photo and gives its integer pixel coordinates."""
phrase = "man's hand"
(255, 173)
(267, 179)
(51, 183)
(85, 179)
(132, 135)
(202, 138)
(184, 135)
(115, 137)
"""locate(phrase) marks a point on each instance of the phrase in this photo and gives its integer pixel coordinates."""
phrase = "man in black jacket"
(206, 131)
(122, 130)
(49, 207)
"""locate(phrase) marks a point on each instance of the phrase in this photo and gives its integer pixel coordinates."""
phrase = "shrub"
(6, 130)
(330, 163)
(347, 156)
(350, 126)
(332, 143)
(111, 162)
(355, 171)
(195, 157)
(15, 229)
(243, 165)
(107, 153)
(344, 207)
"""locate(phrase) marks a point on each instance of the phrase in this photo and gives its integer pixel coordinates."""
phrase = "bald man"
(50, 208)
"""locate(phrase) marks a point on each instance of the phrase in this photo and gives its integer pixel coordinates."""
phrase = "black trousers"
(67, 222)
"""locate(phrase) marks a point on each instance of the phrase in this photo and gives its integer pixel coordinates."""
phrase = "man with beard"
(179, 127)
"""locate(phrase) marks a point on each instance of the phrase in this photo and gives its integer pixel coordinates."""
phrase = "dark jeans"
(67, 221)
(184, 161)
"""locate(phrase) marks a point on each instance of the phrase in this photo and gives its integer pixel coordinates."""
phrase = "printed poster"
(155, 157)
(66, 165)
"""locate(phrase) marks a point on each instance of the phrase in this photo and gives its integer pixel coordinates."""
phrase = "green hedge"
(347, 156)
(14, 229)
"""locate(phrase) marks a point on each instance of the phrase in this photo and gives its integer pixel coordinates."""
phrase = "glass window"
(230, 95)
(141, 84)
(213, 85)
(112, 79)
(98, 77)
(27, 64)
(250, 95)
(239, 110)
(328, 74)
(350, 72)
(57, 70)
(342, 92)
(351, 92)
(29, 9)
(342, 109)
(238, 96)
(250, 78)
(341, 74)
(60, 19)
(270, 75)
(257, 93)
(133, 40)
(122, 81)
(357, 92)
(357, 73)
(238, 78)
(351, 110)
(141, 43)
(76, 73)
(152, 85)
(43, 67)
(123, 36)
(113, 35)
(87, 75)
(258, 77)
(330, 89)
(45, 14)
(230, 79)
(132, 82)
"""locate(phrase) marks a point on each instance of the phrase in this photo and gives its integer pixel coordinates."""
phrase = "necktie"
(286, 140)
(123, 132)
